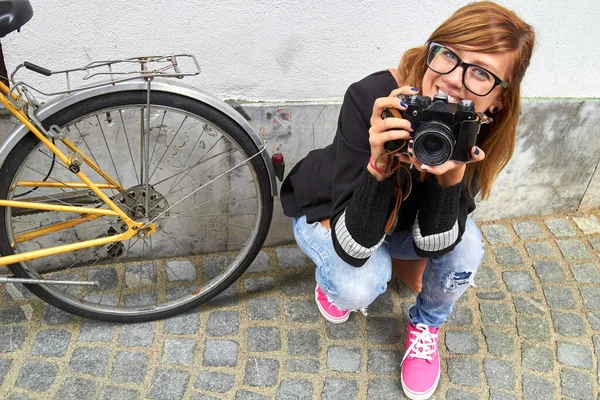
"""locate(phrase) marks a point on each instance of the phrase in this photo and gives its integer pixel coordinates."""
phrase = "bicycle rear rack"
(105, 73)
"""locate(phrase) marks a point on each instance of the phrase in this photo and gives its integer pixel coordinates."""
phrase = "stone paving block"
(178, 351)
(572, 249)
(16, 291)
(594, 320)
(119, 393)
(384, 361)
(549, 271)
(227, 298)
(53, 316)
(298, 283)
(560, 227)
(508, 256)
(537, 358)
(51, 343)
(528, 230)
(96, 331)
(559, 297)
(214, 266)
(347, 330)
(568, 324)
(588, 225)
(247, 395)
(74, 388)
(384, 389)
(499, 343)
(518, 281)
(529, 305)
(535, 388)
(344, 359)
(462, 316)
(540, 250)
(304, 366)
(339, 389)
(496, 234)
(181, 271)
(141, 299)
(220, 353)
(382, 305)
(89, 360)
(263, 338)
(261, 372)
(5, 364)
(168, 384)
(595, 243)
(486, 278)
(591, 297)
(491, 295)
(499, 373)
(18, 396)
(383, 330)
(574, 355)
(37, 375)
(221, 323)
(494, 313)
(12, 338)
(262, 308)
(533, 327)
(486, 260)
(108, 278)
(138, 334)
(576, 384)
(291, 257)
(461, 342)
(295, 389)
(464, 371)
(301, 311)
(585, 273)
(104, 299)
(255, 285)
(12, 315)
(140, 275)
(457, 394)
(260, 264)
(304, 342)
(181, 324)
(215, 381)
(129, 367)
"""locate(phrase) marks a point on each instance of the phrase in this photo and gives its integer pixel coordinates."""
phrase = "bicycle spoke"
(168, 147)
(129, 148)
(112, 160)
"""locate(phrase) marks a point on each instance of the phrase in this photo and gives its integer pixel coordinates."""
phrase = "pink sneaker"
(328, 309)
(421, 362)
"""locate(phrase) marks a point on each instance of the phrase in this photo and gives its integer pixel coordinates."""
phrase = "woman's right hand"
(385, 129)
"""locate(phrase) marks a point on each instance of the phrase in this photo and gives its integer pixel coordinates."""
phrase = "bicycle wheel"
(210, 200)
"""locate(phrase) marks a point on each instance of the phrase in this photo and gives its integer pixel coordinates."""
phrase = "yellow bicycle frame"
(88, 214)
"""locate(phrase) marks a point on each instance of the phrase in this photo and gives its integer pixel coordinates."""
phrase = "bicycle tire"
(231, 260)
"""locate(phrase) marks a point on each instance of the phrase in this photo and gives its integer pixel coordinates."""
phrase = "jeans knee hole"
(457, 281)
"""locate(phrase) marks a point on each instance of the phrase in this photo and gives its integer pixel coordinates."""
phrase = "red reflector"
(277, 158)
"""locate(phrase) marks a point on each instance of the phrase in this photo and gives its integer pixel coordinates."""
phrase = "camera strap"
(401, 189)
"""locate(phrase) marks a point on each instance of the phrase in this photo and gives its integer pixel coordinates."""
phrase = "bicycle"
(130, 197)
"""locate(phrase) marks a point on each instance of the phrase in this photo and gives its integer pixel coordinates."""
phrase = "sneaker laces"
(423, 345)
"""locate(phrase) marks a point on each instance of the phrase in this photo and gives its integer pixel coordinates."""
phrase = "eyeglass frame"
(466, 65)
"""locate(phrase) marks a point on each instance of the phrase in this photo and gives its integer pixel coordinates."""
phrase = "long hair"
(487, 27)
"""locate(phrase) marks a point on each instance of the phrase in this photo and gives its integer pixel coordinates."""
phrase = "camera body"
(444, 131)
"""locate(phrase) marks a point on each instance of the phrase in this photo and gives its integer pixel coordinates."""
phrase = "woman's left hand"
(447, 174)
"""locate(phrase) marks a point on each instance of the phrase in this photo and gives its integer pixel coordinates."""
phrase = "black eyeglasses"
(476, 79)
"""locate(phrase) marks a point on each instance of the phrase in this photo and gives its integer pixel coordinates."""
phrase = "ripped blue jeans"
(445, 278)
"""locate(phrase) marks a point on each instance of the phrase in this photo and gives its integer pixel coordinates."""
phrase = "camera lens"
(434, 143)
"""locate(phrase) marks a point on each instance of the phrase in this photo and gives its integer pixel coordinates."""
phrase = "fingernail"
(476, 151)
(412, 126)
(414, 89)
(403, 104)
(412, 134)
(410, 154)
(410, 145)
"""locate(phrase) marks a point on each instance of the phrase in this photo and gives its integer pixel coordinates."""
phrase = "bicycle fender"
(162, 85)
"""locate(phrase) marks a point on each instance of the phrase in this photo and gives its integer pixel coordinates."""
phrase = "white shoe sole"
(421, 396)
(327, 316)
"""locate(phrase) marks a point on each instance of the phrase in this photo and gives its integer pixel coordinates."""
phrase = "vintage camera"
(444, 131)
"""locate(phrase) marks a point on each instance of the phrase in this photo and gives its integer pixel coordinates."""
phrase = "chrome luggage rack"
(105, 73)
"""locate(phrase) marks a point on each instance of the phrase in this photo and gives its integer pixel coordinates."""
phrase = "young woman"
(341, 200)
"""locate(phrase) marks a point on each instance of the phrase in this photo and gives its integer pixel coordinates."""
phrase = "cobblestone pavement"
(530, 329)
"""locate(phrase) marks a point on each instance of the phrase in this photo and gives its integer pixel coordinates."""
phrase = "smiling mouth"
(451, 99)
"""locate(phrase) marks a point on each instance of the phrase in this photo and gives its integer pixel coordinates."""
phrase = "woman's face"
(452, 83)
